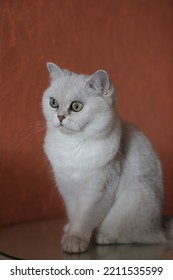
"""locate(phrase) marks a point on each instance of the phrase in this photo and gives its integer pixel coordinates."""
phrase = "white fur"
(106, 170)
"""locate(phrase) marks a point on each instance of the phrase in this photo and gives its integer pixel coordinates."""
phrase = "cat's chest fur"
(75, 159)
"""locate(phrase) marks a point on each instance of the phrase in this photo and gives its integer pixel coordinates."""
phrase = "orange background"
(131, 39)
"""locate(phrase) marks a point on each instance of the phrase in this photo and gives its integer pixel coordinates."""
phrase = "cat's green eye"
(53, 103)
(76, 106)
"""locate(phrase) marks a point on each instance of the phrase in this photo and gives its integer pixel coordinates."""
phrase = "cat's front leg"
(76, 236)
(75, 240)
(90, 210)
(72, 244)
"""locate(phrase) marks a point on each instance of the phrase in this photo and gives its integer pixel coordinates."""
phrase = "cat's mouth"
(61, 126)
(68, 127)
(65, 130)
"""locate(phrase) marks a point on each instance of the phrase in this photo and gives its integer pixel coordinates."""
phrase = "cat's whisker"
(32, 131)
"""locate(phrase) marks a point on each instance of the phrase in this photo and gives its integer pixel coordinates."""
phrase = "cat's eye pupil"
(76, 106)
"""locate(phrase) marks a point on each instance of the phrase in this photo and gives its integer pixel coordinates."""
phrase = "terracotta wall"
(131, 39)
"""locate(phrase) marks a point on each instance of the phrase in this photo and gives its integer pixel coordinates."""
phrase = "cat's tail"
(168, 225)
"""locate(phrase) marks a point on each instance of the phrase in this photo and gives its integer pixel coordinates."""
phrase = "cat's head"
(78, 103)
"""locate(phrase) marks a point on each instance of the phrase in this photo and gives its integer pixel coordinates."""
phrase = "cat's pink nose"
(61, 118)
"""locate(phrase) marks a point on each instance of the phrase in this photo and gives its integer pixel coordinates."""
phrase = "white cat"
(106, 170)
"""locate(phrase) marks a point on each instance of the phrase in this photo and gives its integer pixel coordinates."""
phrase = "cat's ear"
(54, 70)
(100, 82)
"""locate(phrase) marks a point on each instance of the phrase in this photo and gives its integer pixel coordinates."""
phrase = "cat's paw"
(102, 239)
(73, 244)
